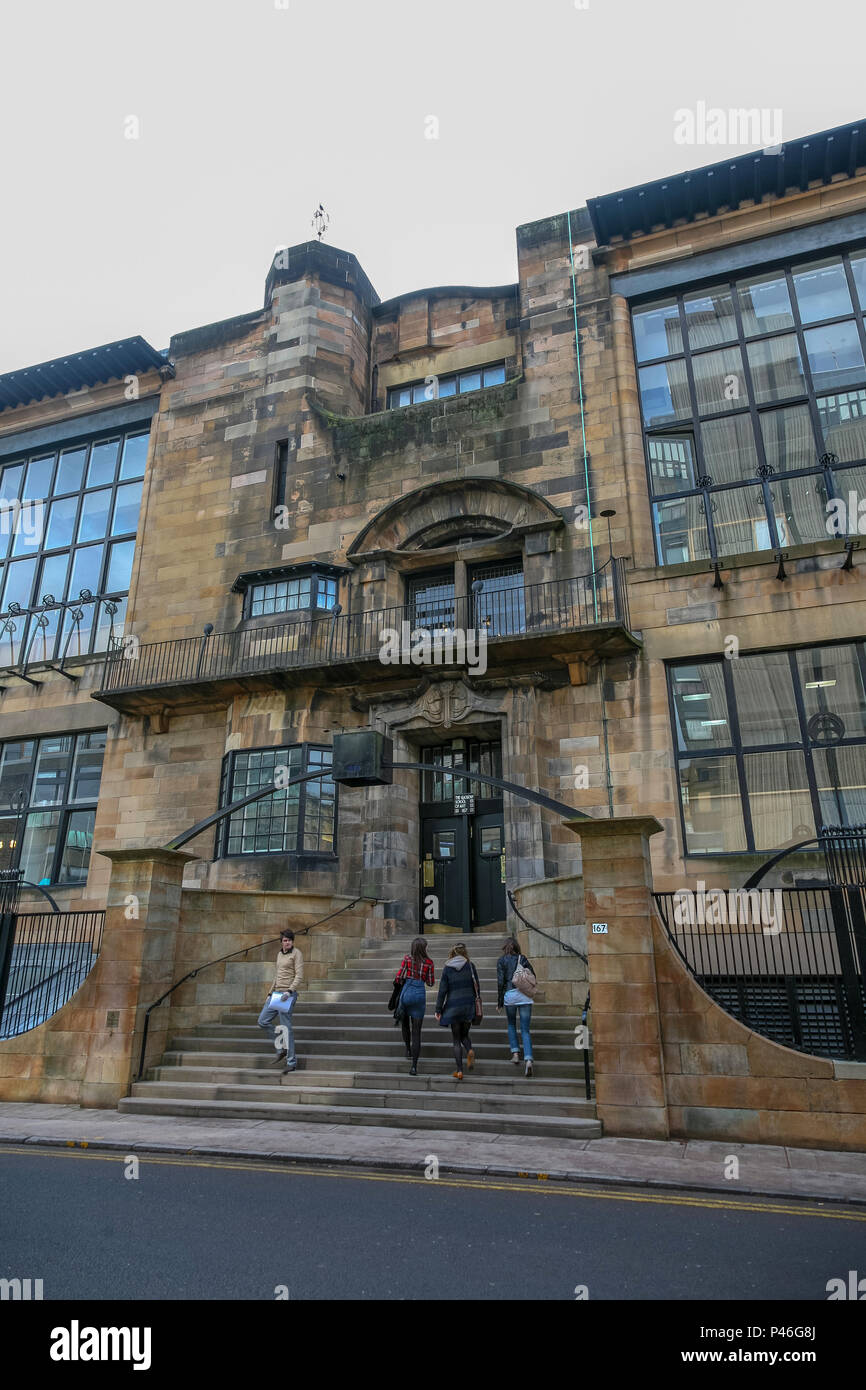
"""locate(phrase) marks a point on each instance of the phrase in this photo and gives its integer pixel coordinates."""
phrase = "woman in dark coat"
(459, 988)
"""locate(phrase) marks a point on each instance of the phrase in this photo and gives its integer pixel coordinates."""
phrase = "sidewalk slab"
(765, 1169)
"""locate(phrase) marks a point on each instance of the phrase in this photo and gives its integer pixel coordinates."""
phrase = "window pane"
(494, 376)
(672, 462)
(779, 799)
(835, 355)
(77, 633)
(70, 470)
(470, 381)
(120, 567)
(109, 625)
(38, 846)
(103, 459)
(37, 483)
(447, 386)
(52, 770)
(423, 392)
(27, 527)
(681, 530)
(8, 842)
(712, 811)
(788, 438)
(822, 291)
(765, 304)
(777, 371)
(10, 483)
(94, 515)
(77, 845)
(766, 704)
(61, 523)
(16, 770)
(740, 521)
(843, 423)
(87, 766)
(134, 456)
(719, 380)
(841, 777)
(800, 509)
(832, 684)
(52, 580)
(19, 583)
(126, 509)
(700, 707)
(86, 568)
(858, 266)
(729, 448)
(664, 393)
(657, 331)
(710, 317)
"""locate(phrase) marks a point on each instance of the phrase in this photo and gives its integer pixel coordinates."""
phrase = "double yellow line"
(538, 1185)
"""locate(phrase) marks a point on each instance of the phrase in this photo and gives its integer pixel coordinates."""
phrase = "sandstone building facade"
(637, 471)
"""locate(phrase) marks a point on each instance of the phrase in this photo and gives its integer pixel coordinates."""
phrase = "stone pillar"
(136, 965)
(626, 1030)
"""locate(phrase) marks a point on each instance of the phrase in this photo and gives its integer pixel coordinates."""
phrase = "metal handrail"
(572, 950)
(584, 601)
(260, 946)
(61, 961)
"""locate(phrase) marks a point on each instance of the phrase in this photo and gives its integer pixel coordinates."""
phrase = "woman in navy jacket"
(459, 987)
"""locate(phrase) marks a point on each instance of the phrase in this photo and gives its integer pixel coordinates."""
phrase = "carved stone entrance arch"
(437, 711)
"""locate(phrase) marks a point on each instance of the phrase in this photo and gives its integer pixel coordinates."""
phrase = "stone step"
(299, 1089)
(202, 1053)
(565, 1127)
(310, 1021)
(226, 1070)
(309, 1033)
(432, 1043)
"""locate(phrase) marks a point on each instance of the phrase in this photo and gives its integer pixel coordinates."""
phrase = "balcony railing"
(509, 618)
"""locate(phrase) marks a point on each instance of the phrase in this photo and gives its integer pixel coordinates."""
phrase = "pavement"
(761, 1169)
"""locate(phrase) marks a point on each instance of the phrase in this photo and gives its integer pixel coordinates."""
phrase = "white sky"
(251, 114)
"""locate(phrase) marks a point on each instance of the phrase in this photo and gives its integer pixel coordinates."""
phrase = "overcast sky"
(250, 112)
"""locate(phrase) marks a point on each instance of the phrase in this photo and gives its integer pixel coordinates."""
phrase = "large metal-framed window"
(479, 755)
(431, 599)
(300, 820)
(68, 518)
(441, 387)
(753, 394)
(500, 605)
(56, 779)
(311, 590)
(769, 746)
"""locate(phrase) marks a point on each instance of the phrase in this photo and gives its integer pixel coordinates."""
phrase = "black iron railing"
(52, 954)
(563, 605)
(788, 963)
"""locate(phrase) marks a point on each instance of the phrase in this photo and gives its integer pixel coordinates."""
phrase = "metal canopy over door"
(463, 837)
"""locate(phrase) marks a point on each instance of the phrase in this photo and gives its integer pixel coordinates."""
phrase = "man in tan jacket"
(281, 1000)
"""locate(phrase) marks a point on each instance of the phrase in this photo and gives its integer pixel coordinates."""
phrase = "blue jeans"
(525, 1011)
(269, 1017)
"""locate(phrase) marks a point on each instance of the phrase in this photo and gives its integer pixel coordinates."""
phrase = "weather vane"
(321, 221)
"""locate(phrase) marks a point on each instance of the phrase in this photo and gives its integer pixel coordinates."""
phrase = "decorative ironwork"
(764, 470)
(825, 729)
(321, 221)
(304, 641)
(705, 481)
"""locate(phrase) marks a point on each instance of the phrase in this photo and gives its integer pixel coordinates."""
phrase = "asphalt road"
(206, 1229)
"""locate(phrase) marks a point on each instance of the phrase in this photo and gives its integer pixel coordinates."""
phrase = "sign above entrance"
(464, 805)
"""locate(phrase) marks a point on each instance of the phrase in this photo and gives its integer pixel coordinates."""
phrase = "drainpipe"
(604, 723)
(582, 420)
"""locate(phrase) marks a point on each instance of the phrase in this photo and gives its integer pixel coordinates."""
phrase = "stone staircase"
(352, 1067)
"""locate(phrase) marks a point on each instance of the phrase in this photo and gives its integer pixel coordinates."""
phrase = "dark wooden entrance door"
(462, 854)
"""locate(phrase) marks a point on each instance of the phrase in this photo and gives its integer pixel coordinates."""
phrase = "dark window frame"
(64, 809)
(454, 377)
(739, 751)
(319, 577)
(834, 477)
(227, 772)
(35, 607)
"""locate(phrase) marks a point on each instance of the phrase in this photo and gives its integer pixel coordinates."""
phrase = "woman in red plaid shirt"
(416, 969)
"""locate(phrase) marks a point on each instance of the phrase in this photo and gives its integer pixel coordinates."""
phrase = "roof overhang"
(795, 166)
(110, 362)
